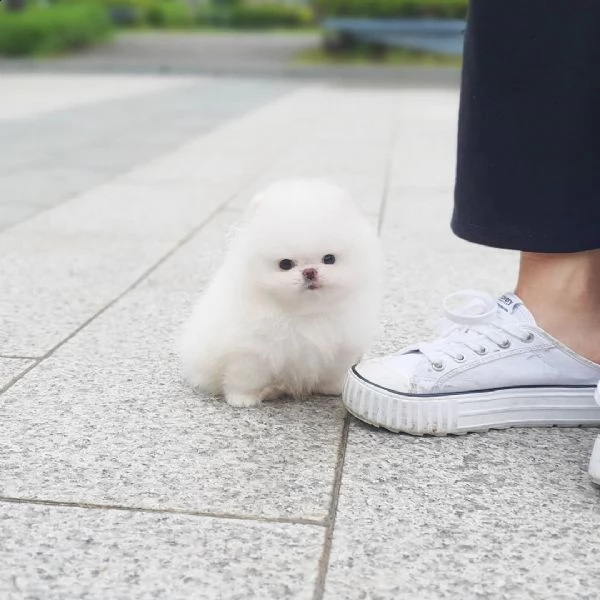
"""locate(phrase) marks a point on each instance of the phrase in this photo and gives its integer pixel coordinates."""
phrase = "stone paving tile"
(507, 514)
(15, 212)
(56, 553)
(107, 420)
(48, 159)
(424, 153)
(11, 368)
(21, 95)
(355, 157)
(25, 193)
(62, 267)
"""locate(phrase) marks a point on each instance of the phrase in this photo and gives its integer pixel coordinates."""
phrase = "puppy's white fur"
(259, 331)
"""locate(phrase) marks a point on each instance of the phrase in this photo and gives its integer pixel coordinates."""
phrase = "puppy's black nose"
(310, 274)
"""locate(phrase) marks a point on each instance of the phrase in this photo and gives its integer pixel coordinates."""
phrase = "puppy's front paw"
(330, 391)
(331, 388)
(243, 400)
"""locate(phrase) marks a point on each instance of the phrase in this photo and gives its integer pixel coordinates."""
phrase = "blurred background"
(391, 39)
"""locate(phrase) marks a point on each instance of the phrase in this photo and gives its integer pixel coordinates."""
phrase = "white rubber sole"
(595, 463)
(594, 469)
(469, 412)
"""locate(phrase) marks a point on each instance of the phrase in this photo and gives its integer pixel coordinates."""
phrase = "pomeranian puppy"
(295, 303)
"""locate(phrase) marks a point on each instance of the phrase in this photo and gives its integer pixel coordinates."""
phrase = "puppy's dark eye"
(286, 264)
(329, 259)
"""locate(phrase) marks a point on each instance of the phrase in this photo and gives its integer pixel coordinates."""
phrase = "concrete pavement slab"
(21, 95)
(54, 553)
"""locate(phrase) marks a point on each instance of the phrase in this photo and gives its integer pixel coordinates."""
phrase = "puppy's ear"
(254, 205)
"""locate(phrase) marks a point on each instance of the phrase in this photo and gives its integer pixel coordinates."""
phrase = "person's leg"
(528, 179)
(594, 468)
(528, 173)
(563, 293)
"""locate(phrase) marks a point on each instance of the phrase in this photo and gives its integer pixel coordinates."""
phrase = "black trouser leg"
(528, 172)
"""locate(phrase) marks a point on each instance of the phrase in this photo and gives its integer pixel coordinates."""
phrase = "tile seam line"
(180, 244)
(163, 511)
(323, 565)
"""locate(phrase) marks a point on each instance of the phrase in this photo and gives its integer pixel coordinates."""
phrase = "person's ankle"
(562, 291)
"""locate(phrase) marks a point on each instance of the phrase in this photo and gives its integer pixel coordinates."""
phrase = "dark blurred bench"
(442, 36)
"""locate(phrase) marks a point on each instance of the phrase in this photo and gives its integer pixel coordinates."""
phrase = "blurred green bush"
(52, 29)
(181, 14)
(124, 13)
(265, 16)
(234, 14)
(448, 9)
(171, 15)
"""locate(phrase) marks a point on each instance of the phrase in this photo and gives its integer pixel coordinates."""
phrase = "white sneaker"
(595, 460)
(493, 368)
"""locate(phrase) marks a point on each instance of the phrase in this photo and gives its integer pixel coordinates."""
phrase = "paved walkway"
(117, 482)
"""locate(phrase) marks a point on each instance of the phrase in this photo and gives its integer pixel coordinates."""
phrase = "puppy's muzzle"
(310, 274)
(311, 278)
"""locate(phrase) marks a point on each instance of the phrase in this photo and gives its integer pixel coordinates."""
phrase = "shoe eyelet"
(460, 358)
(482, 350)
(505, 344)
(529, 338)
(438, 366)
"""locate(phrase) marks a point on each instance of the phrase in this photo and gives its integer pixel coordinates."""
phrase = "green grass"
(444, 9)
(268, 16)
(179, 15)
(40, 31)
(365, 56)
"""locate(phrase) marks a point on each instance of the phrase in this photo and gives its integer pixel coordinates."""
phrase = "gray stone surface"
(107, 420)
(424, 152)
(57, 553)
(51, 157)
(500, 515)
(348, 142)
(25, 95)
(105, 424)
(11, 368)
(60, 268)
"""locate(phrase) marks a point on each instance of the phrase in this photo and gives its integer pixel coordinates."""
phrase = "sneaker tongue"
(512, 305)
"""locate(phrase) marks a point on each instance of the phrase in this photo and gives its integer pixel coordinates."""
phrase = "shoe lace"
(472, 321)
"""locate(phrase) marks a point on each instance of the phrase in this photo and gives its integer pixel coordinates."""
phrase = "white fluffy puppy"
(295, 303)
